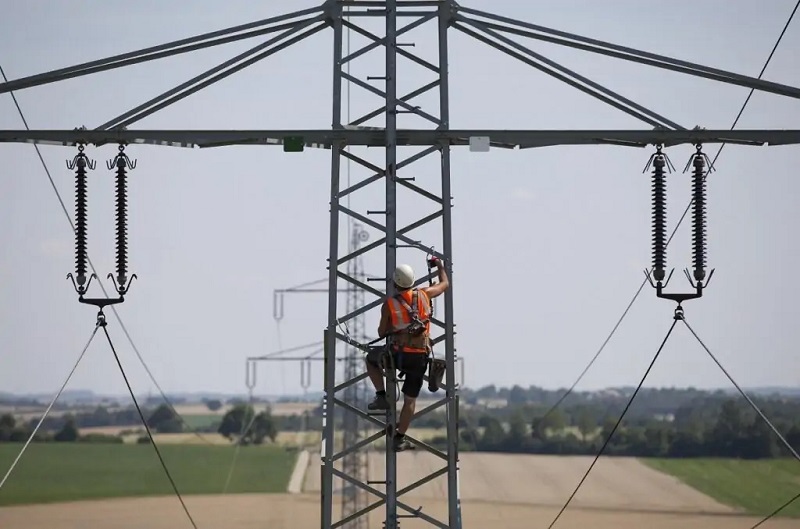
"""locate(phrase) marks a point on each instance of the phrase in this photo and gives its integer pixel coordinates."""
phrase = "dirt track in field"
(497, 490)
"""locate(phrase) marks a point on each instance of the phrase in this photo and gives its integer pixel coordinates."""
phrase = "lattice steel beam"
(405, 137)
(572, 40)
(206, 40)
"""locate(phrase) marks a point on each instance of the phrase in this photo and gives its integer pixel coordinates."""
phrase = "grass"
(202, 421)
(758, 487)
(52, 472)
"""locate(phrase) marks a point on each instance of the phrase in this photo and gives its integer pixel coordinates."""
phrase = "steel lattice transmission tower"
(355, 463)
(402, 130)
(393, 171)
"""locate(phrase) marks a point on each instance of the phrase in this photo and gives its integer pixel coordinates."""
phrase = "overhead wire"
(147, 427)
(94, 270)
(616, 425)
(49, 407)
(680, 221)
(744, 394)
(760, 413)
(776, 511)
(245, 429)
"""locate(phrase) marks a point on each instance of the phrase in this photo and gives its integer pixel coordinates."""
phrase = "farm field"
(623, 484)
(63, 472)
(197, 415)
(278, 408)
(286, 439)
(757, 486)
(284, 511)
(202, 420)
(514, 491)
(314, 437)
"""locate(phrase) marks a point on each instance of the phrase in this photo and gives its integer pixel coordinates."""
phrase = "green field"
(51, 472)
(202, 421)
(759, 487)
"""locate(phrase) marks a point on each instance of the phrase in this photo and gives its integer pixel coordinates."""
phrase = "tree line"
(664, 422)
(14, 431)
(240, 424)
(672, 423)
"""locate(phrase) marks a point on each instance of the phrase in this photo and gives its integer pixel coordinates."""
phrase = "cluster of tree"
(649, 402)
(711, 425)
(13, 432)
(21, 402)
(213, 404)
(240, 424)
(660, 422)
(100, 416)
(244, 426)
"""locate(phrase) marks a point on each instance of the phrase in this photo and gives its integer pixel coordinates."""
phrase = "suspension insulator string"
(80, 163)
(699, 215)
(659, 196)
(661, 163)
(121, 162)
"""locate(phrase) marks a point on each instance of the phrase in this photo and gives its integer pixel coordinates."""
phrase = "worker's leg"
(409, 406)
(376, 376)
(414, 366)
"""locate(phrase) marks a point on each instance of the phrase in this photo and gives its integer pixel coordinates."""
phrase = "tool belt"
(404, 340)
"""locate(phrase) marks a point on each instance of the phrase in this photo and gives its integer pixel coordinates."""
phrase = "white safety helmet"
(404, 276)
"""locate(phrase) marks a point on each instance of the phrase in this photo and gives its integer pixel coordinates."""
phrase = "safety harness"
(416, 326)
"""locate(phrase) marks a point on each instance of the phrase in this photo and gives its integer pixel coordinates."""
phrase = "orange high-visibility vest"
(401, 318)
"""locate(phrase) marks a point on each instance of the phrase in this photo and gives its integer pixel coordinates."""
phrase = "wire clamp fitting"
(101, 318)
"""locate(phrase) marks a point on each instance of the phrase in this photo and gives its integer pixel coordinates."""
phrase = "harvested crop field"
(283, 511)
(615, 483)
(511, 490)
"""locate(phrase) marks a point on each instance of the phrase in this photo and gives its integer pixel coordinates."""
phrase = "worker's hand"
(435, 261)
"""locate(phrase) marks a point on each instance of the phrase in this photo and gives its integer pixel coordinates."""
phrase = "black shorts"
(412, 365)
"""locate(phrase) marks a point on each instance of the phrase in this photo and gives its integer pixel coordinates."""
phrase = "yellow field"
(281, 408)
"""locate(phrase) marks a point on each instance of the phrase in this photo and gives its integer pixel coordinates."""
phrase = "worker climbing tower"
(395, 171)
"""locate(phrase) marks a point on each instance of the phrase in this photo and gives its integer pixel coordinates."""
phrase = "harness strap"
(414, 308)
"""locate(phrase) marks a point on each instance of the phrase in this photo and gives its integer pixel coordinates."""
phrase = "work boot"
(400, 444)
(379, 403)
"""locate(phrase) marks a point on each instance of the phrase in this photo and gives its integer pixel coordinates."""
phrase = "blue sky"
(549, 244)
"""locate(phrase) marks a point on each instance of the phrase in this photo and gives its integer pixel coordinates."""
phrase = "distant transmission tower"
(356, 462)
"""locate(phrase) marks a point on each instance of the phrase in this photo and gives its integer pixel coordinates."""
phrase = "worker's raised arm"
(443, 284)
